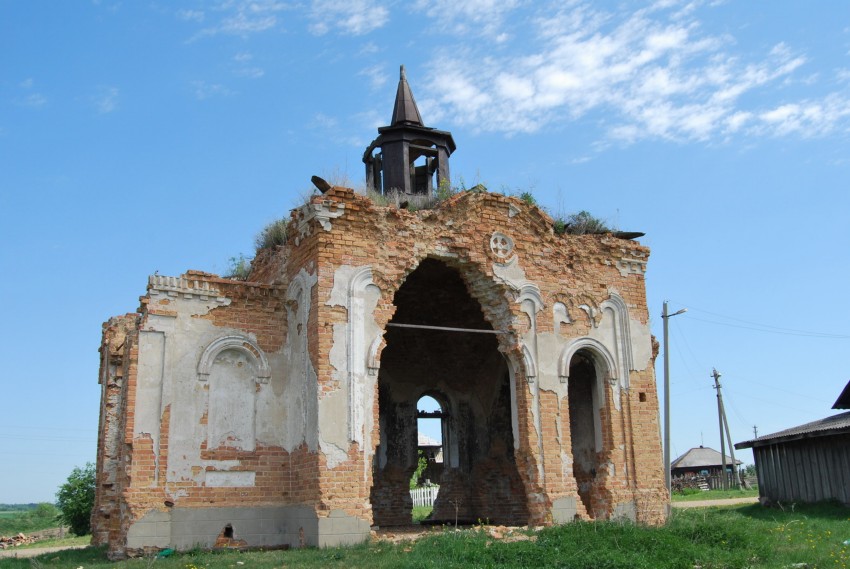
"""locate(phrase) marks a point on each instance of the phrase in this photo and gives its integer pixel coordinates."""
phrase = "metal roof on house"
(843, 401)
(829, 426)
(426, 441)
(701, 457)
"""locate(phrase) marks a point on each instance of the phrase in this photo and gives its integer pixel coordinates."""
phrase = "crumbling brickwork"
(284, 407)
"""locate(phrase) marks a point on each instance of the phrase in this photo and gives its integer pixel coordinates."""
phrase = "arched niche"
(232, 365)
(234, 342)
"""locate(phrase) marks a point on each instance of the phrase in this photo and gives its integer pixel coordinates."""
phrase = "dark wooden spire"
(405, 110)
(407, 156)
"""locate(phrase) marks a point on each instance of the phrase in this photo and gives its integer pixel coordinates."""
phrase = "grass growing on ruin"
(731, 537)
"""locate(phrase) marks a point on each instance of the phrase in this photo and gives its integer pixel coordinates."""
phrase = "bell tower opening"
(439, 344)
(408, 158)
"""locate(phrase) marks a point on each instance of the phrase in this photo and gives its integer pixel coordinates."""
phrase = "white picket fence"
(424, 496)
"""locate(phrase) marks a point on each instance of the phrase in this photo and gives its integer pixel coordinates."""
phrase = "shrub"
(528, 198)
(239, 269)
(75, 499)
(272, 235)
(580, 223)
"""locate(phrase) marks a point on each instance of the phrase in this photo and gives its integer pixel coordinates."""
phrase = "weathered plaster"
(303, 424)
(350, 357)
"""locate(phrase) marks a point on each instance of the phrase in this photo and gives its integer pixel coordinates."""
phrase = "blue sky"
(161, 136)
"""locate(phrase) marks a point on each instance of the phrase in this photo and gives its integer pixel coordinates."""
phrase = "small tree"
(75, 499)
(421, 465)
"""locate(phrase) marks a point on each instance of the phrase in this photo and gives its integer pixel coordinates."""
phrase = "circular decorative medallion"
(502, 246)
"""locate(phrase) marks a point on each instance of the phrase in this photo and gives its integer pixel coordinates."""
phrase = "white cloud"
(477, 17)
(107, 100)
(654, 73)
(33, 101)
(204, 90)
(376, 75)
(369, 48)
(351, 17)
(243, 67)
(190, 15)
(237, 17)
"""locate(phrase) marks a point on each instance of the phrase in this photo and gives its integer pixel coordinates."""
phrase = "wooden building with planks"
(807, 463)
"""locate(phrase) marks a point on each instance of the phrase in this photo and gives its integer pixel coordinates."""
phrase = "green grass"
(421, 512)
(715, 495)
(58, 542)
(709, 538)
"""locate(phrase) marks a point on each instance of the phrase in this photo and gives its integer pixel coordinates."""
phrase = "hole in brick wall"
(227, 532)
(642, 397)
(468, 378)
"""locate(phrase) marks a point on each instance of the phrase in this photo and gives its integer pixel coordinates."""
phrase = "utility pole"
(735, 482)
(724, 429)
(716, 377)
(665, 317)
(755, 432)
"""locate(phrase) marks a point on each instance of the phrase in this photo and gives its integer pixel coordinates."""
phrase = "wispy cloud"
(245, 67)
(29, 98)
(204, 90)
(376, 74)
(236, 17)
(106, 100)
(34, 101)
(350, 17)
(190, 15)
(654, 72)
(330, 128)
(476, 17)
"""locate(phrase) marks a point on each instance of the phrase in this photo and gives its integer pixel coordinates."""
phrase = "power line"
(12, 438)
(32, 428)
(769, 328)
(769, 386)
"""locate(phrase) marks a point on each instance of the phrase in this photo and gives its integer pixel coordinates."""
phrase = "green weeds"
(707, 538)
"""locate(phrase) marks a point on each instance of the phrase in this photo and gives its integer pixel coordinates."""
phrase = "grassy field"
(715, 495)
(708, 538)
(40, 517)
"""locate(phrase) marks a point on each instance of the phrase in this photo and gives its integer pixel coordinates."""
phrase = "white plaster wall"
(345, 414)
(241, 409)
(232, 392)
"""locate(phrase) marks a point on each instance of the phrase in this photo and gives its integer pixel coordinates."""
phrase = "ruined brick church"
(282, 409)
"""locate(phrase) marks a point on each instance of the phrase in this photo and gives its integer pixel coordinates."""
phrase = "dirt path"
(709, 503)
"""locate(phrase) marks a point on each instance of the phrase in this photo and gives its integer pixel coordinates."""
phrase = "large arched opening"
(439, 343)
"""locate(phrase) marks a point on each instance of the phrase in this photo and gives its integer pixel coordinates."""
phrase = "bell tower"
(406, 155)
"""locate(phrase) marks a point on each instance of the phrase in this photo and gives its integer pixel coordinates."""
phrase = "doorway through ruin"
(429, 430)
(466, 374)
(585, 428)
